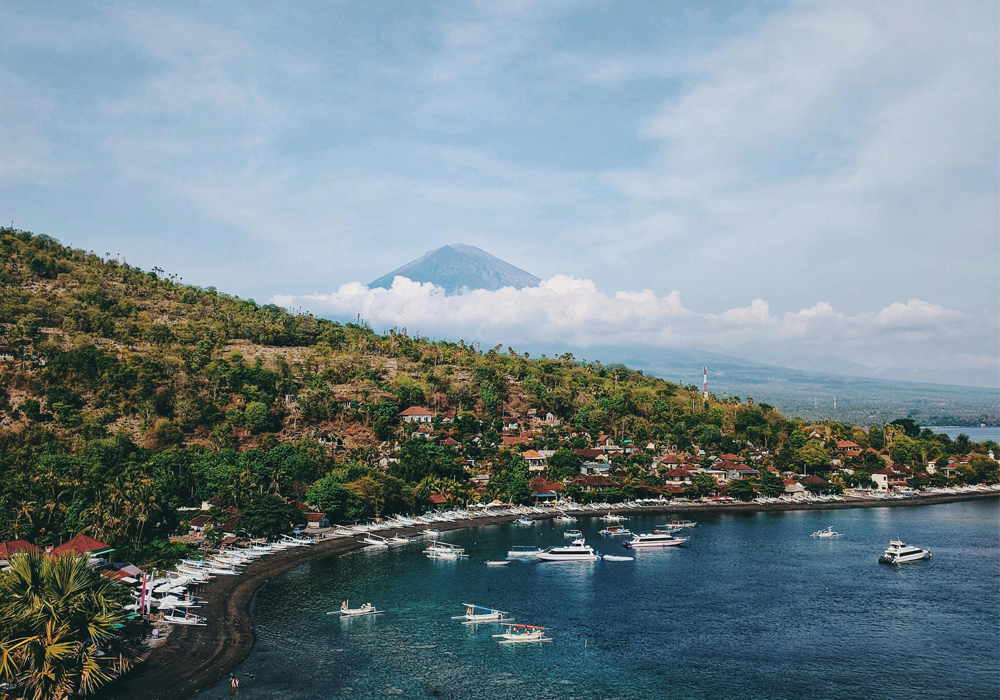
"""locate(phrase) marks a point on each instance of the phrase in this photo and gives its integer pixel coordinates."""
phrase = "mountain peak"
(459, 266)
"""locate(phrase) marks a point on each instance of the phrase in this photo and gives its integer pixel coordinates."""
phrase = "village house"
(595, 467)
(593, 483)
(416, 414)
(197, 526)
(544, 491)
(82, 545)
(315, 521)
(6, 353)
(9, 549)
(536, 462)
(437, 499)
(679, 476)
(848, 446)
(740, 471)
(794, 488)
(511, 440)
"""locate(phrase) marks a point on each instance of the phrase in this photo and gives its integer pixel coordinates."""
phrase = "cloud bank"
(567, 311)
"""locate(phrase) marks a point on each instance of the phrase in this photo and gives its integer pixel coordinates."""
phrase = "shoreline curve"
(193, 658)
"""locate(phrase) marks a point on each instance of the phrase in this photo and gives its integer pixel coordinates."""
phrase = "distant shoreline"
(193, 658)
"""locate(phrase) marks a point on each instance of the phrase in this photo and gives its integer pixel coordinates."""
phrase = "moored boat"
(475, 614)
(523, 552)
(347, 611)
(654, 539)
(519, 634)
(578, 551)
(900, 553)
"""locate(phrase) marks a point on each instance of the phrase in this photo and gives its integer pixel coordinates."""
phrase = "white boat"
(826, 533)
(578, 551)
(399, 539)
(612, 557)
(612, 518)
(900, 553)
(564, 518)
(615, 532)
(681, 523)
(498, 562)
(523, 552)
(375, 540)
(654, 539)
(520, 634)
(573, 534)
(475, 614)
(347, 611)
(444, 550)
(175, 617)
(524, 520)
(431, 532)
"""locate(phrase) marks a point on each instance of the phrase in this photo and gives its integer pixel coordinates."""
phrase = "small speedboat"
(501, 562)
(901, 553)
(573, 534)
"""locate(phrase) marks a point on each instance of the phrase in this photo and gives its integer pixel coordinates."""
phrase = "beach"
(193, 658)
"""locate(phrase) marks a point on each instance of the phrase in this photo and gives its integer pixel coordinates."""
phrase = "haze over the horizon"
(811, 178)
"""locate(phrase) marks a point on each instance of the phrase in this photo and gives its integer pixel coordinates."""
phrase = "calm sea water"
(975, 433)
(754, 608)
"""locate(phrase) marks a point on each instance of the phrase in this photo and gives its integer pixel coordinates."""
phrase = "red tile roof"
(847, 445)
(589, 454)
(532, 454)
(678, 472)
(812, 479)
(416, 411)
(8, 549)
(200, 521)
(437, 499)
(81, 544)
(315, 517)
(541, 485)
(516, 440)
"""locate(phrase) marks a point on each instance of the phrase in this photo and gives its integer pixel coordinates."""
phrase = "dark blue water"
(754, 608)
(975, 433)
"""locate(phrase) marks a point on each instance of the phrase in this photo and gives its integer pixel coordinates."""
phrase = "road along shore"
(193, 658)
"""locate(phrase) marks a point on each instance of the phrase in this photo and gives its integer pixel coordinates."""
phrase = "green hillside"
(125, 396)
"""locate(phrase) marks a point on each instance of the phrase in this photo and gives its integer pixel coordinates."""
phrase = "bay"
(753, 608)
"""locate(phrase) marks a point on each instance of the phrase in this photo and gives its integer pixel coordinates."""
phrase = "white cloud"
(571, 311)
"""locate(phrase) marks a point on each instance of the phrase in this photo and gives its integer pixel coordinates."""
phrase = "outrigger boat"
(615, 532)
(444, 550)
(611, 518)
(564, 518)
(524, 520)
(827, 533)
(475, 614)
(497, 562)
(521, 634)
(680, 523)
(375, 540)
(347, 611)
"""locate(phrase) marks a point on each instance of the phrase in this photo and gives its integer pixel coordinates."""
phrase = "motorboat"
(497, 562)
(827, 533)
(347, 611)
(523, 552)
(475, 614)
(573, 534)
(520, 634)
(578, 551)
(615, 532)
(654, 539)
(901, 553)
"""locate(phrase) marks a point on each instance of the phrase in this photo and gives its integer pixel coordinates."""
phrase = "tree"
(705, 484)
(813, 456)
(903, 450)
(269, 516)
(876, 437)
(564, 464)
(771, 484)
(257, 417)
(985, 469)
(740, 489)
(335, 499)
(509, 479)
(57, 614)
(909, 426)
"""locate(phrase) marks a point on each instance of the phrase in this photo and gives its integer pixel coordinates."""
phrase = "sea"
(753, 608)
(975, 432)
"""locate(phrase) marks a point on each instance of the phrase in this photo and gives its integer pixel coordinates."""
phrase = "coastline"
(193, 658)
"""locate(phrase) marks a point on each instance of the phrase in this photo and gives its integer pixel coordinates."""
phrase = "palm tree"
(56, 614)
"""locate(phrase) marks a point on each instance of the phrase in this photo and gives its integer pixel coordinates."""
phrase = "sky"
(784, 181)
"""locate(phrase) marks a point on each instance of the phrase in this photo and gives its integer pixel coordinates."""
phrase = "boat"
(901, 553)
(498, 562)
(578, 551)
(827, 533)
(475, 614)
(347, 611)
(444, 550)
(185, 618)
(564, 518)
(681, 523)
(524, 520)
(612, 557)
(611, 518)
(431, 532)
(520, 634)
(399, 539)
(615, 532)
(574, 534)
(523, 552)
(653, 539)
(375, 541)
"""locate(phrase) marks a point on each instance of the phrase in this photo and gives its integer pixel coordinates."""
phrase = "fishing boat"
(375, 540)
(578, 551)
(520, 634)
(612, 557)
(475, 614)
(399, 539)
(653, 539)
(347, 611)
(826, 533)
(444, 550)
(680, 523)
(524, 520)
(564, 518)
(573, 534)
(497, 562)
(900, 553)
(615, 532)
(612, 518)
(431, 532)
(523, 552)
(176, 617)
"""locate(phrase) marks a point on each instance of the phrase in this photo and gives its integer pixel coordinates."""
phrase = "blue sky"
(791, 153)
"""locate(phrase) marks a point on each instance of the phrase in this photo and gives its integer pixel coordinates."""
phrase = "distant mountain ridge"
(457, 266)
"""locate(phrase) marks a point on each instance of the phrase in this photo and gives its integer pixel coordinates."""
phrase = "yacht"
(578, 551)
(900, 553)
(654, 539)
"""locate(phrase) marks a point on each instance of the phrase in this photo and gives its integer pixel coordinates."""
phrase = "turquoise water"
(754, 608)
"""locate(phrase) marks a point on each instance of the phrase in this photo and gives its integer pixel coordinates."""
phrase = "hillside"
(457, 266)
(125, 396)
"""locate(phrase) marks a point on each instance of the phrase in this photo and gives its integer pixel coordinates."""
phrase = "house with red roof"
(437, 499)
(536, 461)
(196, 528)
(510, 441)
(81, 546)
(794, 488)
(593, 483)
(9, 549)
(450, 442)
(679, 476)
(416, 414)
(315, 521)
(847, 445)
(545, 491)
